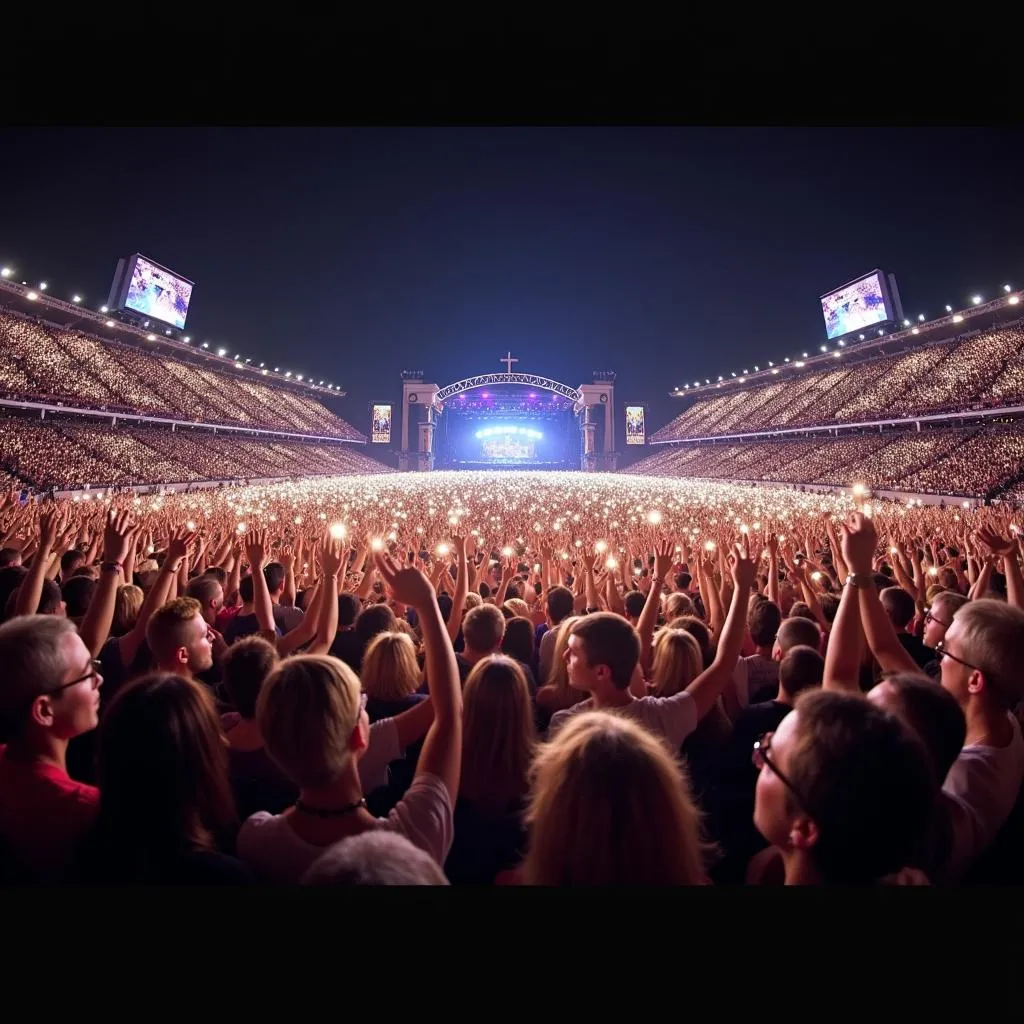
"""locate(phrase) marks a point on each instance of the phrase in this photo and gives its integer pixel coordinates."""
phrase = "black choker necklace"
(329, 812)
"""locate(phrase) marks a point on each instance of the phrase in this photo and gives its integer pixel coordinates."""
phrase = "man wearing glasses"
(48, 695)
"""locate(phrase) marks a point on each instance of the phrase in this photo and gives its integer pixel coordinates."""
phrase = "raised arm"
(95, 626)
(461, 588)
(442, 747)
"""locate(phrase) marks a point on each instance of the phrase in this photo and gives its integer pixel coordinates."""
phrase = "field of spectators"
(976, 462)
(41, 362)
(983, 371)
(66, 454)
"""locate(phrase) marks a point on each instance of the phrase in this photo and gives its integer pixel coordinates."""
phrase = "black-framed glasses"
(928, 617)
(93, 673)
(761, 757)
(941, 652)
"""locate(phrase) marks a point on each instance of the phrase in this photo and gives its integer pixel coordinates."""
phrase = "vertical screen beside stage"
(381, 432)
(635, 432)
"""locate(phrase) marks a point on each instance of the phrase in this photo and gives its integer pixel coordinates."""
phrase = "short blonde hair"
(643, 830)
(518, 607)
(677, 661)
(991, 636)
(389, 670)
(306, 712)
(127, 605)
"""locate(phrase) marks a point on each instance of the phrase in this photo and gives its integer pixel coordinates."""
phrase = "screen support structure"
(593, 405)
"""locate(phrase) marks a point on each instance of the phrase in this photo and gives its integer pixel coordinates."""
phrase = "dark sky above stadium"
(664, 254)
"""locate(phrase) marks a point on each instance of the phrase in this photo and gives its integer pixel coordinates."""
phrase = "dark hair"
(203, 588)
(800, 669)
(162, 773)
(70, 560)
(219, 573)
(377, 618)
(349, 607)
(8, 556)
(898, 605)
(608, 639)
(634, 602)
(247, 663)
(245, 588)
(50, 599)
(866, 781)
(518, 639)
(560, 604)
(77, 593)
(799, 632)
(445, 604)
(829, 606)
(763, 621)
(683, 580)
(275, 575)
(482, 628)
(10, 579)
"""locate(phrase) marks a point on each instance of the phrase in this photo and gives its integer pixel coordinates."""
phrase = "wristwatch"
(859, 579)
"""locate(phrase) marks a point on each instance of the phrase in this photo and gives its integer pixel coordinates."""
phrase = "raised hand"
(859, 542)
(664, 558)
(117, 537)
(744, 568)
(407, 585)
(256, 546)
(332, 556)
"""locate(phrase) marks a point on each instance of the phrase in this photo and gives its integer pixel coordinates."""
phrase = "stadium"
(471, 626)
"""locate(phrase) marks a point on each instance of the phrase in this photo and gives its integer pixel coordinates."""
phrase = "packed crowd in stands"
(529, 679)
(984, 371)
(976, 462)
(65, 454)
(45, 363)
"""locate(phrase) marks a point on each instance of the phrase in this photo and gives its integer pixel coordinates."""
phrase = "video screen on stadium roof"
(854, 307)
(381, 432)
(635, 433)
(155, 292)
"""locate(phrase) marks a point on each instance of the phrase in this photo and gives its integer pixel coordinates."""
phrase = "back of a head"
(127, 605)
(865, 778)
(483, 628)
(560, 604)
(169, 627)
(763, 621)
(991, 637)
(389, 670)
(683, 580)
(349, 607)
(499, 734)
(698, 629)
(70, 561)
(33, 663)
(946, 604)
(219, 573)
(245, 589)
(610, 806)
(634, 603)
(801, 668)
(677, 661)
(377, 857)
(898, 605)
(931, 711)
(307, 710)
(518, 639)
(246, 666)
(801, 610)
(9, 556)
(203, 588)
(445, 603)
(275, 575)
(515, 606)
(798, 633)
(377, 618)
(678, 604)
(609, 639)
(77, 593)
(163, 766)
(10, 579)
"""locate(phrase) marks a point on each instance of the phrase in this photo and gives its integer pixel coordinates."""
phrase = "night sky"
(664, 254)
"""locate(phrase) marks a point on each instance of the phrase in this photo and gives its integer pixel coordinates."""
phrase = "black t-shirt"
(485, 844)
(258, 784)
(346, 648)
(916, 649)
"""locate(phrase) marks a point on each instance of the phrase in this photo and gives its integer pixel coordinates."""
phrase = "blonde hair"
(499, 735)
(678, 604)
(473, 600)
(677, 661)
(127, 605)
(609, 806)
(518, 607)
(991, 634)
(389, 670)
(306, 712)
(558, 675)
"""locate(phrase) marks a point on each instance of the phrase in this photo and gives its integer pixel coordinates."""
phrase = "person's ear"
(803, 833)
(42, 711)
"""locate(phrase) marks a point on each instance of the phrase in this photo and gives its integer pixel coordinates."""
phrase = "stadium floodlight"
(289, 373)
(31, 296)
(920, 318)
(757, 369)
(799, 364)
(261, 366)
(206, 344)
(299, 377)
(776, 370)
(42, 286)
(186, 339)
(76, 298)
(277, 369)
(805, 355)
(787, 359)
(1007, 288)
(150, 337)
(906, 323)
(880, 332)
(222, 352)
(824, 348)
(103, 309)
(264, 373)
(110, 323)
(958, 319)
(734, 374)
(168, 332)
(915, 331)
(145, 323)
(949, 308)
(6, 272)
(770, 363)
(1013, 300)
(842, 344)
(976, 299)
(862, 337)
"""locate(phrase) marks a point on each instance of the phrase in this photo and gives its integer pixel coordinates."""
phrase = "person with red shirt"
(50, 694)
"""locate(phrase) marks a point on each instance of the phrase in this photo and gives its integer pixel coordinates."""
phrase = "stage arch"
(531, 380)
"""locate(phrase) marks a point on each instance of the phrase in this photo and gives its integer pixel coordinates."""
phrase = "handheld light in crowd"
(892, 551)
(600, 547)
(337, 531)
(756, 526)
(709, 545)
(190, 525)
(654, 517)
(815, 575)
(507, 551)
(443, 549)
(150, 549)
(744, 529)
(611, 562)
(376, 544)
(933, 571)
(240, 528)
(297, 520)
(392, 535)
(579, 543)
(536, 566)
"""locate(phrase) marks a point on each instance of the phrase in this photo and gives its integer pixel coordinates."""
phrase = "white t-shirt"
(382, 750)
(269, 845)
(983, 785)
(673, 718)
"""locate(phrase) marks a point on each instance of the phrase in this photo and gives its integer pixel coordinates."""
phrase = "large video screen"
(381, 432)
(635, 433)
(157, 293)
(509, 442)
(856, 306)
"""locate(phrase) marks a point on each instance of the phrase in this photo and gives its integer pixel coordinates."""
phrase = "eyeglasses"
(941, 652)
(93, 673)
(928, 617)
(762, 747)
